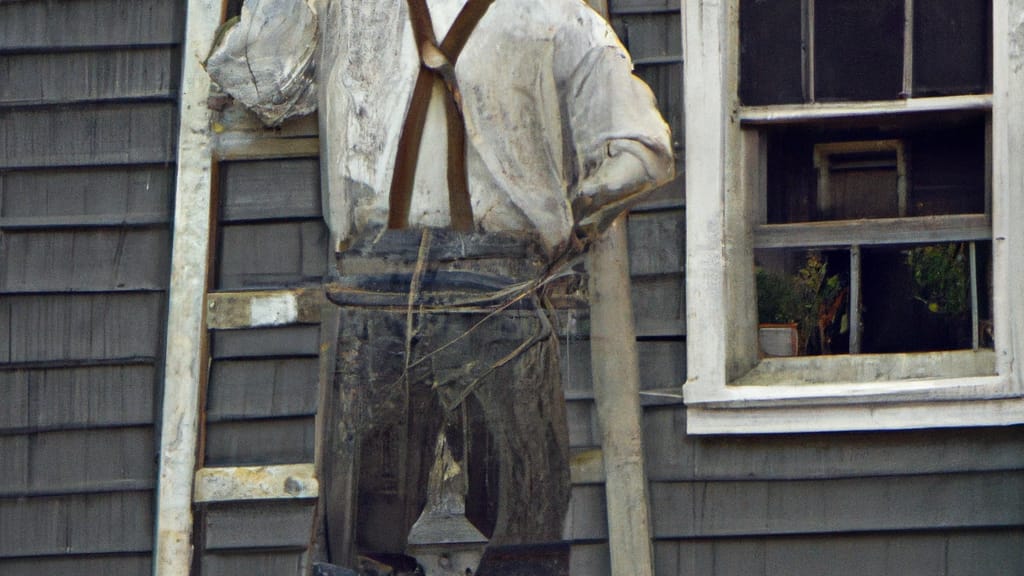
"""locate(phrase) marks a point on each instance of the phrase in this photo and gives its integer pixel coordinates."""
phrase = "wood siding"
(87, 109)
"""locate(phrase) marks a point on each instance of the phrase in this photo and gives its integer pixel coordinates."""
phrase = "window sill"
(865, 392)
(788, 113)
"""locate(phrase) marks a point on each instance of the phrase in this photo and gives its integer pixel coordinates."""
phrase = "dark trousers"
(453, 356)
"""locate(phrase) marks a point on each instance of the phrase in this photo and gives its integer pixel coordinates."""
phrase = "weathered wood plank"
(71, 77)
(260, 442)
(256, 483)
(266, 342)
(120, 522)
(263, 308)
(58, 24)
(656, 242)
(75, 398)
(650, 35)
(258, 525)
(907, 554)
(591, 560)
(253, 564)
(77, 462)
(659, 303)
(262, 389)
(271, 189)
(587, 519)
(80, 327)
(272, 255)
(78, 565)
(877, 232)
(138, 133)
(583, 430)
(96, 260)
(921, 502)
(102, 194)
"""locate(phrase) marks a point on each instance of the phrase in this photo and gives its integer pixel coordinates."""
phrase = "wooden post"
(186, 360)
(617, 395)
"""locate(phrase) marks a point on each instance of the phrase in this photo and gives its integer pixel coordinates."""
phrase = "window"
(850, 190)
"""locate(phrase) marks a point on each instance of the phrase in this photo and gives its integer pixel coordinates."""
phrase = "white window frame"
(854, 392)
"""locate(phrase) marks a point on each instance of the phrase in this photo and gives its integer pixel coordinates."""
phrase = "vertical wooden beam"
(186, 361)
(1008, 186)
(705, 92)
(616, 377)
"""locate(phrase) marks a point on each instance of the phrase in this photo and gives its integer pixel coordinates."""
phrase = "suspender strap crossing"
(437, 64)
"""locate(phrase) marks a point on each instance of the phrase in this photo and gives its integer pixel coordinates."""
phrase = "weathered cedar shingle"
(271, 255)
(104, 193)
(277, 524)
(656, 242)
(96, 260)
(737, 508)
(587, 519)
(77, 462)
(42, 328)
(77, 397)
(78, 565)
(78, 524)
(139, 133)
(659, 306)
(266, 342)
(55, 24)
(262, 388)
(89, 76)
(252, 564)
(260, 442)
(270, 189)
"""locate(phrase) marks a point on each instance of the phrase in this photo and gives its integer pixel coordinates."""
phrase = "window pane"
(807, 291)
(771, 61)
(951, 47)
(917, 298)
(948, 170)
(858, 49)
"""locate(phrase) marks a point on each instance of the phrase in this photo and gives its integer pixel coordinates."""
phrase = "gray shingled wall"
(88, 111)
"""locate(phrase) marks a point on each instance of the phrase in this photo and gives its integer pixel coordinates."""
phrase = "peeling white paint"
(274, 310)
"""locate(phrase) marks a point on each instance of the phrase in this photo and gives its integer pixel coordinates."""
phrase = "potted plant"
(795, 309)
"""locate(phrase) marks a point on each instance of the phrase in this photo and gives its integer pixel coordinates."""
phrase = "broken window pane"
(951, 47)
(858, 49)
(771, 52)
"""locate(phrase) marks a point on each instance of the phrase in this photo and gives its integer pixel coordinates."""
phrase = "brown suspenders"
(437, 64)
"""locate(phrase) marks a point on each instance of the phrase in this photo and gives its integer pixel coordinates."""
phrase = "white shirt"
(551, 106)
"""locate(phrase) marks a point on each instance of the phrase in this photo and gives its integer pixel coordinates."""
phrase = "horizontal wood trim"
(115, 523)
(252, 525)
(95, 397)
(875, 232)
(925, 502)
(101, 134)
(233, 147)
(65, 78)
(66, 24)
(256, 483)
(77, 462)
(784, 114)
(264, 308)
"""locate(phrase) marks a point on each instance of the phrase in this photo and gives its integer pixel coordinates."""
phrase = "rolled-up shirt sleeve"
(622, 144)
(267, 59)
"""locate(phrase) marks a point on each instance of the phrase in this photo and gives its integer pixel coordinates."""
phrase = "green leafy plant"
(810, 298)
(940, 277)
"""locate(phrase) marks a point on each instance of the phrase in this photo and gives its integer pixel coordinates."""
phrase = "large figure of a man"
(532, 107)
